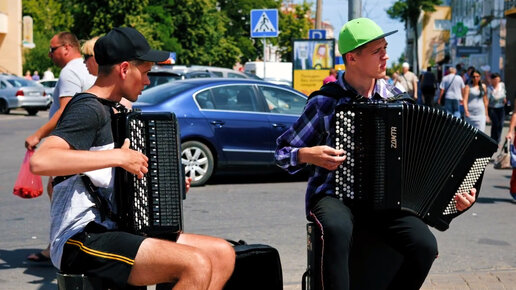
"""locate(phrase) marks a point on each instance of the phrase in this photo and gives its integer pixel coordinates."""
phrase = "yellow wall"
(10, 42)
(431, 37)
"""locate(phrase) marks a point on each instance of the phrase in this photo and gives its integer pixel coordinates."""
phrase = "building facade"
(465, 32)
(11, 37)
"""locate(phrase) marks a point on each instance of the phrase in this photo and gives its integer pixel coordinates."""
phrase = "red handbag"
(28, 185)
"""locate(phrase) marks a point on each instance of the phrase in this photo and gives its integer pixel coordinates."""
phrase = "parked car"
(49, 85)
(161, 74)
(18, 92)
(225, 124)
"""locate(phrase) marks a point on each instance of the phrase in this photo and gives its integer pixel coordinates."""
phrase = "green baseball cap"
(358, 32)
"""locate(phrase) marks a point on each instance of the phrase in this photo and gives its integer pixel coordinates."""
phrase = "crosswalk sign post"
(264, 23)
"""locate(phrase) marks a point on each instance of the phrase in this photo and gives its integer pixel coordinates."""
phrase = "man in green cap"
(309, 142)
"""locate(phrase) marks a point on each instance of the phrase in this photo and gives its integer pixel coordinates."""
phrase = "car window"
(234, 75)
(234, 98)
(205, 100)
(217, 74)
(3, 85)
(283, 101)
(198, 74)
(20, 83)
(161, 78)
(158, 94)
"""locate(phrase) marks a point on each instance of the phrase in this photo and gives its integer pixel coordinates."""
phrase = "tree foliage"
(49, 17)
(408, 11)
(293, 25)
(204, 32)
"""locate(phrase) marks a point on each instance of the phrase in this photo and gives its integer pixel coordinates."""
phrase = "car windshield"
(158, 94)
(21, 83)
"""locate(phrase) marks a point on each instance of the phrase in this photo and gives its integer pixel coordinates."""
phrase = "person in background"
(428, 87)
(475, 102)
(74, 78)
(496, 95)
(48, 74)
(511, 138)
(35, 76)
(452, 90)
(27, 75)
(92, 66)
(332, 77)
(408, 81)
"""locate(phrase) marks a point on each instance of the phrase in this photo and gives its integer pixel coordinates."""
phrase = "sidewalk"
(481, 280)
(500, 279)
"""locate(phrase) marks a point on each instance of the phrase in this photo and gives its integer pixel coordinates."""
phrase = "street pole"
(354, 9)
(318, 14)
(264, 57)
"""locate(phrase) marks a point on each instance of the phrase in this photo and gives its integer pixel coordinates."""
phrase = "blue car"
(225, 124)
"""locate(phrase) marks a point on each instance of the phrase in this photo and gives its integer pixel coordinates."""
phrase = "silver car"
(18, 92)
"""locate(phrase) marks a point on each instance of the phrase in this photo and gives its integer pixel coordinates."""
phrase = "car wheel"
(32, 112)
(4, 108)
(198, 161)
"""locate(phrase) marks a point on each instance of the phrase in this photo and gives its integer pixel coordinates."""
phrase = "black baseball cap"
(125, 44)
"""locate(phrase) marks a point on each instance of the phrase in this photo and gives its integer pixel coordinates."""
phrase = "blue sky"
(336, 12)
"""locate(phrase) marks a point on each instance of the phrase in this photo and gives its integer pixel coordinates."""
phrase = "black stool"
(82, 282)
(369, 255)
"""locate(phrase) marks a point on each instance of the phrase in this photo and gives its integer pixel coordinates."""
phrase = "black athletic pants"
(406, 233)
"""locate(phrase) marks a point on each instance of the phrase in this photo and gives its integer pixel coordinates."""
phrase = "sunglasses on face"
(86, 57)
(52, 49)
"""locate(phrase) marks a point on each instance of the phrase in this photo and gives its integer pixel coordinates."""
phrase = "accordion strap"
(100, 202)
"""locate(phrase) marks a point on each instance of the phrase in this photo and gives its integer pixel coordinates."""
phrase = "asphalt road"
(257, 209)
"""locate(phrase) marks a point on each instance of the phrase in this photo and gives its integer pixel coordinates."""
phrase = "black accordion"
(408, 157)
(151, 206)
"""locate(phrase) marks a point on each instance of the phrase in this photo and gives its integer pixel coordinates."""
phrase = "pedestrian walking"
(451, 92)
(475, 102)
(496, 95)
(408, 80)
(428, 86)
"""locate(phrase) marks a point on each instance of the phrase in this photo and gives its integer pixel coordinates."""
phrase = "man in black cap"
(81, 240)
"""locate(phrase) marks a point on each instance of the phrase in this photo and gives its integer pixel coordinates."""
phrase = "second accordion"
(403, 156)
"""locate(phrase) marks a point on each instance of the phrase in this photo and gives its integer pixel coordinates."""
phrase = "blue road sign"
(264, 23)
(317, 34)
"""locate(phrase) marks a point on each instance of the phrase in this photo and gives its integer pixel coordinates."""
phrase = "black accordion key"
(151, 206)
(409, 157)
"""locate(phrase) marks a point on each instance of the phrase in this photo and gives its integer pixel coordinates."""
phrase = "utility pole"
(354, 9)
(318, 14)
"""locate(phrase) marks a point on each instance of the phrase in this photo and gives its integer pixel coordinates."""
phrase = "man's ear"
(124, 68)
(350, 57)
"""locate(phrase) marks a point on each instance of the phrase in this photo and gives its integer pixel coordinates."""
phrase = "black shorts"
(98, 252)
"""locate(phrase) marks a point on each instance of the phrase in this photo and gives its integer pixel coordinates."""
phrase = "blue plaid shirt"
(315, 127)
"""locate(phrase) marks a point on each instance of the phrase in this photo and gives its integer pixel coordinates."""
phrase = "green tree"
(48, 21)
(239, 26)
(408, 11)
(293, 25)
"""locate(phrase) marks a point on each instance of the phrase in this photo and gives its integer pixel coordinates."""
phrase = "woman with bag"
(497, 99)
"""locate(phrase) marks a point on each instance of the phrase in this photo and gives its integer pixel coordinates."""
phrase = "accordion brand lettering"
(394, 142)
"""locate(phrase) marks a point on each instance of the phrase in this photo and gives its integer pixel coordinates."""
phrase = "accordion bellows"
(151, 206)
(408, 157)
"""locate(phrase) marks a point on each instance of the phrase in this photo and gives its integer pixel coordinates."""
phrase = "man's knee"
(198, 270)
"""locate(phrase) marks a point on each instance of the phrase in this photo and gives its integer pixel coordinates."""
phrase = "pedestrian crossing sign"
(264, 23)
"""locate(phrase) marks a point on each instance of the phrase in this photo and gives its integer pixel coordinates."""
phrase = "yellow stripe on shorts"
(99, 253)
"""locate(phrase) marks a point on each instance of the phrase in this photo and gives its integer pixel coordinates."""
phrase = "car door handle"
(276, 125)
(217, 123)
